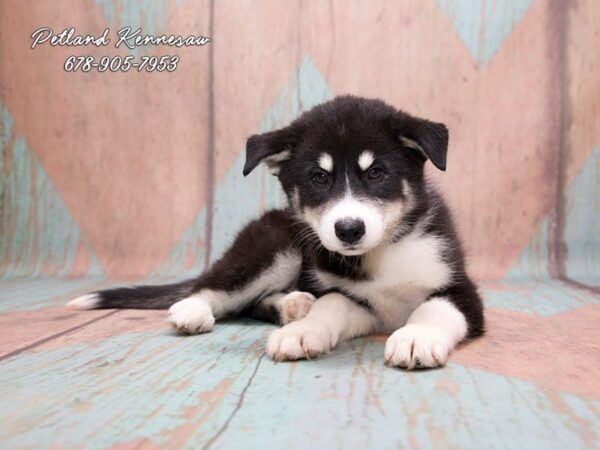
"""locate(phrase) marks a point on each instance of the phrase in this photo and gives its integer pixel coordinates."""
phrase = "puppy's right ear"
(272, 148)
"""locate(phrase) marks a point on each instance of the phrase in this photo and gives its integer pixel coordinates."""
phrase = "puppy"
(366, 245)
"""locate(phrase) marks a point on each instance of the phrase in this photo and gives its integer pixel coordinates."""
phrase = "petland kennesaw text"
(127, 37)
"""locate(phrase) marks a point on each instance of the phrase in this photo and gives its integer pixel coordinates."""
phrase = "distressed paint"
(582, 224)
(38, 234)
(239, 199)
(193, 393)
(483, 25)
(17, 294)
(149, 15)
(510, 350)
(534, 261)
(578, 221)
(133, 190)
(157, 224)
(423, 66)
(188, 256)
(544, 297)
(197, 385)
(515, 81)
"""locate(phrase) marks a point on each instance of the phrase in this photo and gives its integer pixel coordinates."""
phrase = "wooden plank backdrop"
(137, 174)
(106, 177)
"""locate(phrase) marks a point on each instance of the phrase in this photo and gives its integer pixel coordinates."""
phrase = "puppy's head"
(352, 168)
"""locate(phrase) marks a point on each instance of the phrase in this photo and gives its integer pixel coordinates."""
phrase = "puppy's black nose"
(349, 230)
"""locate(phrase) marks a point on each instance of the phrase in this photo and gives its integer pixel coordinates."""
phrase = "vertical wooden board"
(125, 151)
(238, 199)
(579, 224)
(412, 55)
(38, 234)
(255, 55)
(582, 95)
(255, 90)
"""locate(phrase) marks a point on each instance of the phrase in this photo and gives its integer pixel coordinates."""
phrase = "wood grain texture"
(112, 176)
(126, 381)
(153, 186)
(124, 150)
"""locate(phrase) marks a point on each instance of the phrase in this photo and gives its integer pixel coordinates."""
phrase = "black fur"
(343, 127)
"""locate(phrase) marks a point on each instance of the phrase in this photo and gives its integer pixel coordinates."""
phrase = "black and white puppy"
(366, 245)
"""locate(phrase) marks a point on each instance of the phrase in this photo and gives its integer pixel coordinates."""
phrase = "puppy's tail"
(138, 297)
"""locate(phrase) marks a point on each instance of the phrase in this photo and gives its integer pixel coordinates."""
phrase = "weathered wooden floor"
(122, 379)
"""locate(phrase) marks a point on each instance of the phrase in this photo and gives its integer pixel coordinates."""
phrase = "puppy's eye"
(320, 178)
(374, 173)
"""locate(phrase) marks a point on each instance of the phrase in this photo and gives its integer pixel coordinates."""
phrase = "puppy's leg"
(435, 327)
(197, 313)
(282, 308)
(332, 318)
(261, 261)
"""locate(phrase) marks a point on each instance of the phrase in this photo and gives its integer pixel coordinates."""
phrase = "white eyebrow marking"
(326, 162)
(365, 160)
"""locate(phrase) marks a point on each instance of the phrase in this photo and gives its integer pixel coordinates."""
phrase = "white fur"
(350, 207)
(273, 161)
(432, 331)
(277, 277)
(326, 162)
(87, 301)
(295, 305)
(291, 306)
(193, 314)
(365, 160)
(332, 319)
(401, 275)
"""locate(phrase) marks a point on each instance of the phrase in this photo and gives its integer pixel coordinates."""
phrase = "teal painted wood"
(176, 392)
(483, 25)
(534, 261)
(38, 234)
(36, 293)
(581, 234)
(582, 223)
(127, 387)
(238, 199)
(188, 256)
(544, 297)
(149, 15)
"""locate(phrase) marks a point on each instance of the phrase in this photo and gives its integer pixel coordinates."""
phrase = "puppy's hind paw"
(295, 306)
(191, 316)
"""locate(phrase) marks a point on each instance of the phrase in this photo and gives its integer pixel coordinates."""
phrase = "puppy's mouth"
(352, 250)
(345, 249)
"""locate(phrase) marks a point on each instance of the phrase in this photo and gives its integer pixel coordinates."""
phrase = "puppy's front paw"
(417, 347)
(191, 316)
(298, 340)
(295, 306)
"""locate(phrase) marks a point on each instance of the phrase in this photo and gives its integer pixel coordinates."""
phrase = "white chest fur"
(401, 276)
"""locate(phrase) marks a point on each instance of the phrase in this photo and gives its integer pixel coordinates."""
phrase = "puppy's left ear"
(272, 148)
(428, 138)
